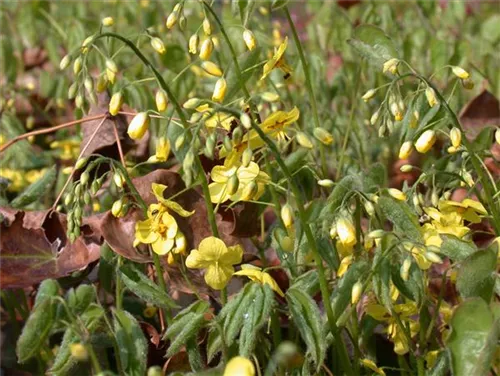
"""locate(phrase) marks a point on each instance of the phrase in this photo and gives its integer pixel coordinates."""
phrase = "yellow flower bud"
(211, 68)
(391, 65)
(206, 49)
(370, 209)
(430, 94)
(81, 162)
(84, 178)
(405, 269)
(327, 183)
(397, 194)
(193, 44)
(346, 231)
(171, 20)
(87, 41)
(246, 158)
(456, 137)
(77, 65)
(425, 142)
(179, 141)
(405, 150)
(452, 150)
(102, 83)
(191, 103)
(79, 352)
(239, 366)
(460, 72)
(356, 291)
(304, 140)
(406, 168)
(117, 208)
(376, 234)
(249, 191)
(369, 95)
(115, 103)
(374, 117)
(161, 101)
(323, 136)
(433, 257)
(249, 39)
(219, 90)
(138, 126)
(111, 65)
(107, 21)
(65, 61)
(270, 97)
(158, 45)
(246, 121)
(468, 178)
(207, 28)
(233, 184)
(333, 230)
(287, 215)
(286, 244)
(79, 102)
(118, 179)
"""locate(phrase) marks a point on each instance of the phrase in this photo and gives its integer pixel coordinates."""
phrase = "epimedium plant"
(342, 264)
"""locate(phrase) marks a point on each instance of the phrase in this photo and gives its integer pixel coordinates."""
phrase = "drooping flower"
(160, 229)
(277, 61)
(239, 366)
(218, 260)
(162, 150)
(257, 275)
(469, 209)
(233, 182)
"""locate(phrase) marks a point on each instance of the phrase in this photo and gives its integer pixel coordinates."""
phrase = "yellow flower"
(391, 65)
(245, 176)
(160, 229)
(371, 365)
(162, 150)
(277, 61)
(219, 120)
(20, 178)
(344, 265)
(257, 275)
(218, 260)
(468, 209)
(273, 126)
(239, 366)
(107, 21)
(70, 148)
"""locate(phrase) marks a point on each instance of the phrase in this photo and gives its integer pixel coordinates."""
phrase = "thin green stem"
(161, 282)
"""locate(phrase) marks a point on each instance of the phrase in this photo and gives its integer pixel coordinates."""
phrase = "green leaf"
(46, 290)
(413, 288)
(36, 190)
(257, 317)
(404, 220)
(63, 360)
(374, 44)
(442, 366)
(234, 81)
(296, 159)
(341, 296)
(79, 299)
(36, 330)
(473, 338)
(339, 195)
(307, 319)
(476, 276)
(375, 178)
(455, 248)
(132, 344)
(8, 61)
(482, 141)
(138, 283)
(307, 282)
(381, 279)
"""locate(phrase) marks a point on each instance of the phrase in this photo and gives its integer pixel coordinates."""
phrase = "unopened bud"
(391, 65)
(405, 150)
(89, 84)
(460, 72)
(77, 65)
(65, 62)
(171, 20)
(79, 101)
(161, 101)
(102, 83)
(425, 142)
(374, 117)
(249, 191)
(287, 215)
(406, 168)
(246, 158)
(304, 140)
(249, 39)
(433, 257)
(369, 95)
(357, 289)
(194, 40)
(376, 234)
(158, 45)
(72, 90)
(327, 183)
(323, 136)
(84, 178)
(79, 352)
(191, 103)
(397, 194)
(405, 269)
(118, 179)
(117, 208)
(138, 126)
(107, 21)
(430, 94)
(115, 103)
(206, 49)
(346, 231)
(179, 141)
(211, 68)
(456, 137)
(207, 28)
(246, 121)
(233, 184)
(370, 209)
(219, 90)
(286, 244)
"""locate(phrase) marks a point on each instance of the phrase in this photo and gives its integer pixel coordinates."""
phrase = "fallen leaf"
(482, 111)
(34, 247)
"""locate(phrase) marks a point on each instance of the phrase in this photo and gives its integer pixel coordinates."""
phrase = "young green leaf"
(404, 220)
(132, 343)
(476, 276)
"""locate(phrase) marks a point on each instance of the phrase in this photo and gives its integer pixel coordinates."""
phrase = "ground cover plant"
(250, 188)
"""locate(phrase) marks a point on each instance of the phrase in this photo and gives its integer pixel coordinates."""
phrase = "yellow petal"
(233, 255)
(217, 276)
(195, 260)
(143, 232)
(239, 366)
(163, 246)
(221, 174)
(218, 192)
(158, 190)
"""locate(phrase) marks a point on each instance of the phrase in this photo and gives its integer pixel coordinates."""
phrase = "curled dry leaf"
(34, 247)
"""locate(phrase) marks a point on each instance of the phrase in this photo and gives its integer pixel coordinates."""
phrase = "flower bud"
(79, 352)
(79, 101)
(249, 39)
(370, 209)
(77, 65)
(81, 162)
(207, 28)
(286, 244)
(102, 83)
(65, 62)
(95, 186)
(456, 137)
(333, 230)
(376, 234)
(72, 90)
(346, 231)
(118, 179)
(270, 97)
(433, 257)
(206, 49)
(405, 269)
(406, 168)
(246, 158)
(323, 136)
(161, 101)
(117, 208)
(155, 370)
(369, 95)
(304, 140)
(327, 183)
(171, 20)
(211, 68)
(405, 150)
(430, 94)
(468, 84)
(107, 21)
(138, 126)
(397, 194)
(89, 84)
(182, 22)
(381, 130)
(287, 215)
(158, 45)
(68, 200)
(219, 90)
(179, 141)
(84, 178)
(425, 142)
(227, 143)
(115, 103)
(233, 184)
(374, 118)
(356, 291)
(468, 178)
(460, 72)
(497, 136)
(249, 191)
(237, 136)
(194, 40)
(246, 121)
(191, 103)
(239, 366)
(391, 65)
